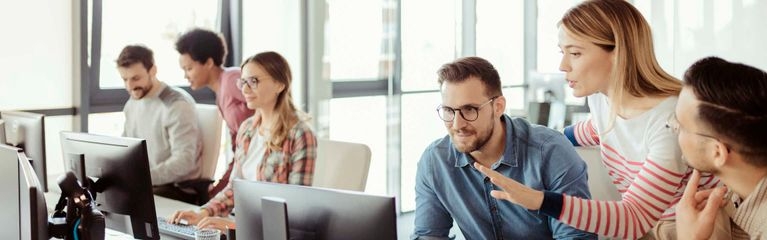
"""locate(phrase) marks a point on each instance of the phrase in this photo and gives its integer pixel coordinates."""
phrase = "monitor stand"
(274, 218)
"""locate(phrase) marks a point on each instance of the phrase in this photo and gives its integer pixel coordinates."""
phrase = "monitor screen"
(316, 213)
(27, 131)
(33, 211)
(123, 186)
(9, 177)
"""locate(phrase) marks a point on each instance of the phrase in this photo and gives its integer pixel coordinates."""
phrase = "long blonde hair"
(615, 25)
(287, 114)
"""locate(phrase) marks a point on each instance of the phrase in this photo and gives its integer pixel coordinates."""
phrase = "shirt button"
(487, 179)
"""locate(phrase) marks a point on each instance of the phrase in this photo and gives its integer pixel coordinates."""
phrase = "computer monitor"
(27, 131)
(120, 168)
(551, 103)
(315, 213)
(9, 177)
(33, 212)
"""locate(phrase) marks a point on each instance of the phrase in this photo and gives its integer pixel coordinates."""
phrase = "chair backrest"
(210, 126)
(341, 165)
(600, 183)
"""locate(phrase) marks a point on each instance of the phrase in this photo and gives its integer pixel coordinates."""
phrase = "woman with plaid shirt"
(274, 145)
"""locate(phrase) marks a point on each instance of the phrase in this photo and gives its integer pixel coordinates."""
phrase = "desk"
(163, 207)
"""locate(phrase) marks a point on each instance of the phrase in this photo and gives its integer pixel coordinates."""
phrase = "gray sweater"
(167, 119)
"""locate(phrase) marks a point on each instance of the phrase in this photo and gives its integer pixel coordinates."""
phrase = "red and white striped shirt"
(644, 162)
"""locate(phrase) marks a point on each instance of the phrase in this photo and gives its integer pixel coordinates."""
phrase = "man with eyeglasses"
(449, 188)
(721, 119)
(165, 116)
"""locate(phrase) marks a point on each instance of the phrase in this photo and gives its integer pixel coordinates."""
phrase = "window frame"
(95, 99)
(392, 87)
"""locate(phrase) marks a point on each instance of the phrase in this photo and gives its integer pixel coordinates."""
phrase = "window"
(429, 33)
(500, 38)
(420, 127)
(135, 22)
(430, 30)
(111, 124)
(368, 128)
(354, 33)
(358, 60)
(275, 25)
(549, 14)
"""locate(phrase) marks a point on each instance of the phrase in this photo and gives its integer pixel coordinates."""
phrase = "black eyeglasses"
(468, 113)
(673, 123)
(252, 82)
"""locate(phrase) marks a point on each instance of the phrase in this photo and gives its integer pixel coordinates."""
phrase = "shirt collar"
(509, 156)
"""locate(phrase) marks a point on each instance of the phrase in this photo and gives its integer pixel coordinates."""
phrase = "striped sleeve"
(650, 193)
(582, 134)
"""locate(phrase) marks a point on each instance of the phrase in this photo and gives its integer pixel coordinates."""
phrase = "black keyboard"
(176, 230)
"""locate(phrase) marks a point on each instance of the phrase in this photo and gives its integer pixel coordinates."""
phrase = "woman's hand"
(512, 191)
(222, 224)
(187, 217)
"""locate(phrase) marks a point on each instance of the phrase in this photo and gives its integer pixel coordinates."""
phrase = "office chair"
(600, 184)
(341, 165)
(210, 125)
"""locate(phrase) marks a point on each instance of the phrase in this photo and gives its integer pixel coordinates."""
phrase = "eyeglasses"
(468, 113)
(252, 82)
(673, 123)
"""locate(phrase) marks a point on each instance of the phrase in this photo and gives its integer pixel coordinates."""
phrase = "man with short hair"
(166, 117)
(449, 187)
(721, 119)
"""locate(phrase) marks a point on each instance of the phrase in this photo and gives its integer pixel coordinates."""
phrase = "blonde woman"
(274, 145)
(608, 56)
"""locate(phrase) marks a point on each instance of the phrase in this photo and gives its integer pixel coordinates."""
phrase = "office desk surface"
(163, 206)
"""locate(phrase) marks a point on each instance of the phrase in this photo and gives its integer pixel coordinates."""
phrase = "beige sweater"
(166, 118)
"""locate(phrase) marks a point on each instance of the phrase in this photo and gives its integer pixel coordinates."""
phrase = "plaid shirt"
(293, 164)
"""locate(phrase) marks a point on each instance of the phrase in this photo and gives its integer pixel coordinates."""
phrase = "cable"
(74, 230)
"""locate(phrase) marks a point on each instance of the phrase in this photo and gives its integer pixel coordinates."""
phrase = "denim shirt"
(449, 188)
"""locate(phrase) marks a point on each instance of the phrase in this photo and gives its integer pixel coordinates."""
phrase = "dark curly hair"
(202, 44)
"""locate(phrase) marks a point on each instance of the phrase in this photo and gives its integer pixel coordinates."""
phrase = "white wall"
(36, 59)
(36, 65)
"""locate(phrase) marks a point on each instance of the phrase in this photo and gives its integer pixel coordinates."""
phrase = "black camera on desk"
(81, 220)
